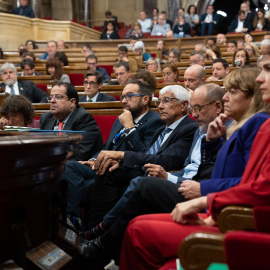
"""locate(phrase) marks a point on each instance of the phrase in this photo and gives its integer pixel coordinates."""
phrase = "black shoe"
(93, 250)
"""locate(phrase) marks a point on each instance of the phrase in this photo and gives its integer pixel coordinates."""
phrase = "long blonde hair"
(245, 79)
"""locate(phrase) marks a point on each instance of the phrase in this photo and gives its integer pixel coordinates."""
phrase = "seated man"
(123, 57)
(146, 24)
(87, 50)
(91, 61)
(162, 28)
(220, 69)
(240, 24)
(28, 68)
(132, 131)
(60, 45)
(92, 82)
(194, 76)
(14, 87)
(66, 114)
(169, 148)
(24, 10)
(122, 73)
(196, 58)
(209, 21)
(221, 39)
(51, 50)
(232, 46)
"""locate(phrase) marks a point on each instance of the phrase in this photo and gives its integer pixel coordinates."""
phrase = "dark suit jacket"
(215, 19)
(31, 91)
(27, 11)
(101, 97)
(80, 120)
(234, 25)
(113, 35)
(233, 156)
(172, 153)
(139, 139)
(104, 74)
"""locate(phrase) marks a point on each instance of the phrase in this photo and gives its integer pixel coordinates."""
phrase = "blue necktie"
(118, 136)
(12, 92)
(155, 147)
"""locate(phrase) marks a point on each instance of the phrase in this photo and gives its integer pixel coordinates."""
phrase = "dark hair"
(199, 53)
(247, 57)
(134, 38)
(123, 49)
(113, 23)
(97, 74)
(123, 64)
(174, 69)
(216, 49)
(156, 9)
(91, 56)
(250, 35)
(232, 41)
(19, 104)
(1, 54)
(108, 13)
(62, 58)
(222, 61)
(28, 62)
(163, 12)
(55, 62)
(175, 52)
(31, 54)
(146, 76)
(23, 52)
(189, 7)
(87, 46)
(33, 43)
(71, 91)
(241, 12)
(52, 41)
(267, 34)
(211, 38)
(144, 89)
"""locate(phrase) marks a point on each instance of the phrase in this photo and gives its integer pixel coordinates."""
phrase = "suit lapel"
(70, 122)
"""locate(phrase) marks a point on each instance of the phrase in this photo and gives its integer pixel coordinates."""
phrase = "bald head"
(194, 76)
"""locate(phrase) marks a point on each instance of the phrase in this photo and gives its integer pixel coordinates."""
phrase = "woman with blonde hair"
(135, 30)
(152, 65)
(252, 50)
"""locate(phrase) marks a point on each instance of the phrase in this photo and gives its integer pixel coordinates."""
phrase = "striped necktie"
(12, 92)
(155, 147)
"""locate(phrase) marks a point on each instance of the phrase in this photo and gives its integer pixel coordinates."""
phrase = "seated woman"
(151, 240)
(55, 69)
(174, 55)
(17, 110)
(110, 32)
(161, 47)
(139, 48)
(62, 57)
(248, 38)
(252, 50)
(240, 58)
(193, 18)
(182, 29)
(170, 73)
(135, 30)
(260, 22)
(30, 44)
(213, 52)
(152, 65)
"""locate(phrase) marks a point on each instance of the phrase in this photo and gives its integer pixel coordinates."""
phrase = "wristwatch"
(127, 130)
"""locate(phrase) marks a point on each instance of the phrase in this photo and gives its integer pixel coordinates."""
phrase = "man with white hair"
(14, 87)
(168, 148)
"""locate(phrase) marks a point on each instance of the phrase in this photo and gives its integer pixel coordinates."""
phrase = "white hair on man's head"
(265, 42)
(6, 66)
(180, 92)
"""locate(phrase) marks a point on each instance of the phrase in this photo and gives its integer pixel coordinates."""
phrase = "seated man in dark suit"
(28, 68)
(24, 10)
(132, 131)
(169, 148)
(209, 21)
(51, 50)
(26, 88)
(92, 83)
(122, 73)
(66, 114)
(91, 61)
(240, 24)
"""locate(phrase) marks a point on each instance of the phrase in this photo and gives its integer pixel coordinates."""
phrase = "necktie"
(12, 92)
(155, 147)
(89, 100)
(60, 127)
(117, 136)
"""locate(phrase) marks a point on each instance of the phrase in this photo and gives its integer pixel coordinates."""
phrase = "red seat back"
(43, 87)
(76, 78)
(109, 68)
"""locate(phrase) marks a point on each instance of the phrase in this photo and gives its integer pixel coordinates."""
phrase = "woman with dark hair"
(170, 73)
(17, 110)
(110, 32)
(240, 58)
(161, 47)
(192, 17)
(30, 44)
(1, 54)
(213, 52)
(62, 57)
(260, 22)
(248, 38)
(182, 29)
(55, 69)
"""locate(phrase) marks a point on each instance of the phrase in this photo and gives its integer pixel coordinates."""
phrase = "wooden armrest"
(199, 250)
(236, 218)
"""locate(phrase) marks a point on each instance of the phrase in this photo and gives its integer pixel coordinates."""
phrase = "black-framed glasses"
(165, 100)
(198, 108)
(89, 83)
(56, 97)
(129, 96)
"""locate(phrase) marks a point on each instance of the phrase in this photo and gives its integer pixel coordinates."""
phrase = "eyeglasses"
(91, 64)
(56, 97)
(129, 96)
(249, 50)
(198, 108)
(89, 83)
(165, 100)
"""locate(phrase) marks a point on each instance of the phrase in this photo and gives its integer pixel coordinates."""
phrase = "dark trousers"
(205, 26)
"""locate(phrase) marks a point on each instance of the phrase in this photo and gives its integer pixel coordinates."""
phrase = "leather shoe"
(93, 249)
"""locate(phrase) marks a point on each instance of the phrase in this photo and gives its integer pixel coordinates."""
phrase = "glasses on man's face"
(198, 108)
(91, 64)
(56, 97)
(89, 83)
(129, 96)
(165, 100)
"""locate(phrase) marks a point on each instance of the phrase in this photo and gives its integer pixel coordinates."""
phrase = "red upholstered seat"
(105, 123)
(146, 35)
(98, 28)
(154, 55)
(109, 68)
(122, 32)
(43, 87)
(76, 78)
(121, 25)
(155, 36)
